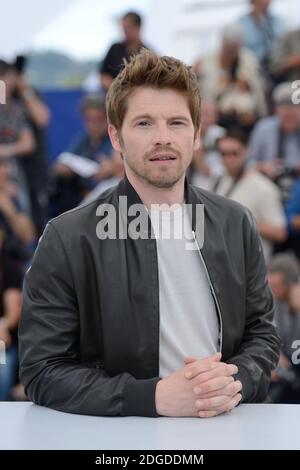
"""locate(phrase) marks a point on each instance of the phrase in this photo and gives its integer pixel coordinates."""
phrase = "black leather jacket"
(89, 333)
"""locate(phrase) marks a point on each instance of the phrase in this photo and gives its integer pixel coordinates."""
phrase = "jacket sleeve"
(49, 340)
(260, 346)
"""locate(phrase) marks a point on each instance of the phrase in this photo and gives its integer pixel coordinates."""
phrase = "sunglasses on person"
(234, 153)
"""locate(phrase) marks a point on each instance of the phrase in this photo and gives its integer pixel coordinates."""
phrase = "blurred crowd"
(250, 153)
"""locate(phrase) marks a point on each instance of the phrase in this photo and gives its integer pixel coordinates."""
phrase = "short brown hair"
(92, 100)
(146, 69)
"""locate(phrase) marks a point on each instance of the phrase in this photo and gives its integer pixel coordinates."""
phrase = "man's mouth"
(162, 158)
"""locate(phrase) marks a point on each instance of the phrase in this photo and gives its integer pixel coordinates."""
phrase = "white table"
(250, 426)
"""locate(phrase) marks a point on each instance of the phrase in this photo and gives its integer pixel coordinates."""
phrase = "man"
(207, 161)
(92, 144)
(252, 189)
(17, 232)
(16, 139)
(274, 146)
(123, 325)
(283, 273)
(35, 165)
(292, 211)
(10, 312)
(285, 58)
(132, 44)
(261, 29)
(231, 76)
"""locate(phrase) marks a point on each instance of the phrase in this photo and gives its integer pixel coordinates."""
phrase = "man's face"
(233, 153)
(157, 138)
(209, 112)
(278, 286)
(95, 122)
(289, 115)
(231, 48)
(263, 4)
(131, 30)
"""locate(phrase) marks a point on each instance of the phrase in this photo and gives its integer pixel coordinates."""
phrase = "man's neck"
(237, 174)
(150, 194)
(133, 45)
(96, 140)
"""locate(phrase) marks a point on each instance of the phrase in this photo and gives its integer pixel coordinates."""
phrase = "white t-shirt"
(188, 318)
(256, 192)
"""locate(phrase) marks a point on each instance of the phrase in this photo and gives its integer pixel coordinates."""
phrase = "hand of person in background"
(106, 169)
(294, 298)
(60, 169)
(4, 333)
(215, 390)
(270, 169)
(6, 205)
(292, 61)
(284, 363)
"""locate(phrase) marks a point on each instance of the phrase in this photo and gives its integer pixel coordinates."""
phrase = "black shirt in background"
(113, 61)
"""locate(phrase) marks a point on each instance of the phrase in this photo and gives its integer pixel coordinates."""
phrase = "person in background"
(16, 138)
(35, 166)
(292, 212)
(285, 58)
(274, 145)
(207, 161)
(132, 44)
(118, 174)
(93, 144)
(250, 188)
(261, 29)
(17, 234)
(231, 77)
(283, 274)
(11, 278)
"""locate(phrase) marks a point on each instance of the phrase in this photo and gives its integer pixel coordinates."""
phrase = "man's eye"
(143, 123)
(177, 123)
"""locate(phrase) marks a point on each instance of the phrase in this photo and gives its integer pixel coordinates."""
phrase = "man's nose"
(162, 135)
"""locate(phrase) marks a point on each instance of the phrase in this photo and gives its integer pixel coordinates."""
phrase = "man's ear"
(197, 139)
(114, 137)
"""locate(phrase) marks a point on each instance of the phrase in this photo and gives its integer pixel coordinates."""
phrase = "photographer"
(275, 141)
(35, 167)
(284, 282)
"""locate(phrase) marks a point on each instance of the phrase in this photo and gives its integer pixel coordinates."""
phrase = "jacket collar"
(125, 188)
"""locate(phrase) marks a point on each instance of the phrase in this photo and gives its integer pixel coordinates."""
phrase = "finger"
(213, 386)
(209, 414)
(230, 390)
(215, 357)
(202, 365)
(232, 403)
(213, 403)
(215, 370)
(218, 404)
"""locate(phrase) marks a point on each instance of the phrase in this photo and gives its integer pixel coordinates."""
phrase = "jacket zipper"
(211, 289)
